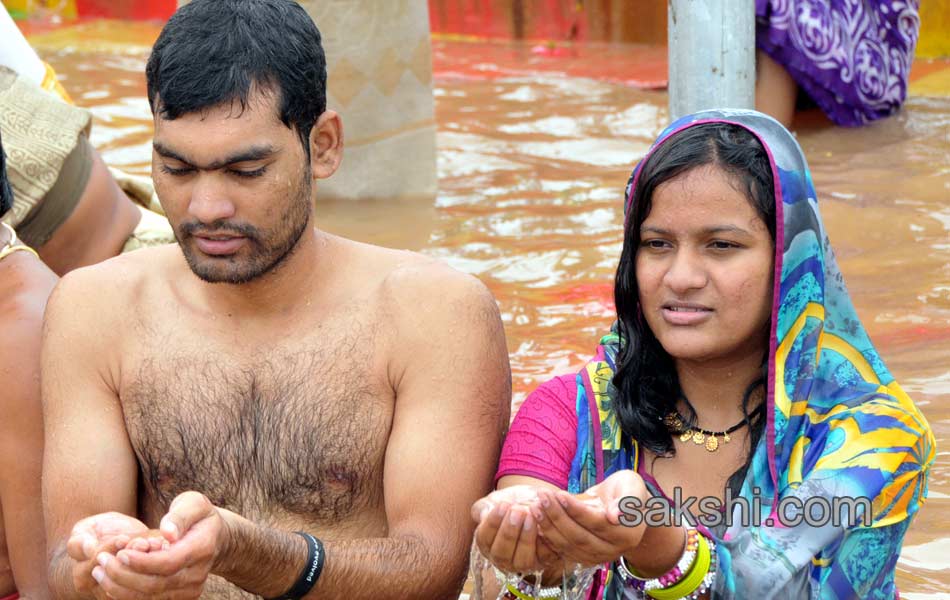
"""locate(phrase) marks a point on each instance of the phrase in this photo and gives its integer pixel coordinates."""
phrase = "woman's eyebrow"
(705, 231)
(726, 229)
(710, 230)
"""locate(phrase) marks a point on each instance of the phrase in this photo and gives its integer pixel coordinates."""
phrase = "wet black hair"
(646, 381)
(214, 51)
(6, 192)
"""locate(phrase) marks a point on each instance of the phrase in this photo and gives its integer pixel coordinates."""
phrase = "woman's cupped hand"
(527, 529)
(507, 531)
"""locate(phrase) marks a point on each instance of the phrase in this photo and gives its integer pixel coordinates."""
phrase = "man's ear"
(326, 145)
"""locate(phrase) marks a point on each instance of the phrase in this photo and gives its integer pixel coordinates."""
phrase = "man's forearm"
(267, 562)
(60, 574)
(263, 561)
(394, 568)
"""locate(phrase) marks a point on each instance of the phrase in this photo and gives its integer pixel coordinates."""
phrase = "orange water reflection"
(532, 165)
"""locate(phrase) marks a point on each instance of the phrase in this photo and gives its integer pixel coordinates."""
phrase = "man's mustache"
(220, 227)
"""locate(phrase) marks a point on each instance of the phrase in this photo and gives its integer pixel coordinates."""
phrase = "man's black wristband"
(311, 570)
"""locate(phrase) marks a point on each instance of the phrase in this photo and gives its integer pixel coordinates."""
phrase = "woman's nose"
(686, 272)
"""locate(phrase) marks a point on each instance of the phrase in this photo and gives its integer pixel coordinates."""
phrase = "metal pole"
(712, 55)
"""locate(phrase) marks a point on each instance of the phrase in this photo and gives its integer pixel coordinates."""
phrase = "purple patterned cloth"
(852, 57)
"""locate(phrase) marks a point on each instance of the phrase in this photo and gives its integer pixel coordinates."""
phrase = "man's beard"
(262, 253)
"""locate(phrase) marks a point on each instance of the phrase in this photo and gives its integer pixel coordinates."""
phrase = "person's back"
(263, 377)
(25, 285)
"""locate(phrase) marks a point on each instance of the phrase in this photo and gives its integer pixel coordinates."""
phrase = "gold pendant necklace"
(701, 437)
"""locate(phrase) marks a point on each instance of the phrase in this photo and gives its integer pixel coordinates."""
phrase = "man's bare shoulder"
(120, 279)
(413, 280)
(444, 321)
(106, 294)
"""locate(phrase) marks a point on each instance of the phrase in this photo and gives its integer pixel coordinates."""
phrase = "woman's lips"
(219, 246)
(685, 314)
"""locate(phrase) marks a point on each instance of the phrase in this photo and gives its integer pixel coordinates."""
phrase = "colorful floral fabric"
(852, 57)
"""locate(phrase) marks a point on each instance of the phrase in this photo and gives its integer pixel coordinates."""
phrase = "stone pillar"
(379, 78)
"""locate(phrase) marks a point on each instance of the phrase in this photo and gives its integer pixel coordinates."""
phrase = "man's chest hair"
(301, 433)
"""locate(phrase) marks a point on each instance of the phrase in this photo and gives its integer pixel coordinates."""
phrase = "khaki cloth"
(379, 72)
(39, 132)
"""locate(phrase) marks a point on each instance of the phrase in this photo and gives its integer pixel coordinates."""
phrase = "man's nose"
(686, 272)
(209, 199)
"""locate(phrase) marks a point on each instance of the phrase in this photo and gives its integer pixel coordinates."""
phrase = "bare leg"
(775, 90)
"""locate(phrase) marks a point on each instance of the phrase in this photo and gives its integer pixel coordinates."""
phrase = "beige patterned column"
(379, 69)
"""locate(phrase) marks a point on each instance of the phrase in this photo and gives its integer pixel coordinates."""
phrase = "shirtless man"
(263, 377)
(25, 285)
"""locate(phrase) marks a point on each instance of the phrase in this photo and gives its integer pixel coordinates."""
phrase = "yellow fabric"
(51, 84)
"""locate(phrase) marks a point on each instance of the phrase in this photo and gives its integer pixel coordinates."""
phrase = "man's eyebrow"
(169, 153)
(247, 155)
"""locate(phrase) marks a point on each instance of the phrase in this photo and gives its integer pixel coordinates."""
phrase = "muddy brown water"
(533, 159)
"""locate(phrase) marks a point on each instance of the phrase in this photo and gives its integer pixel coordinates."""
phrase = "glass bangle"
(671, 577)
(693, 579)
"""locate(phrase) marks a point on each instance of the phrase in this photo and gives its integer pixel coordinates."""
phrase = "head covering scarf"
(838, 424)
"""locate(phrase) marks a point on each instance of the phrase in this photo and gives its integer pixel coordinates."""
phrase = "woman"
(25, 285)
(737, 368)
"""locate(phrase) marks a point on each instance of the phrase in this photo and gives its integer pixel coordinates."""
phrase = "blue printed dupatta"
(838, 424)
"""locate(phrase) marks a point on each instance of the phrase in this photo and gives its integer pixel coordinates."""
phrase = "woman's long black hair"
(645, 378)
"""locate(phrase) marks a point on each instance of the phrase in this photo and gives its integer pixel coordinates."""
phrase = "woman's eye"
(722, 245)
(656, 244)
